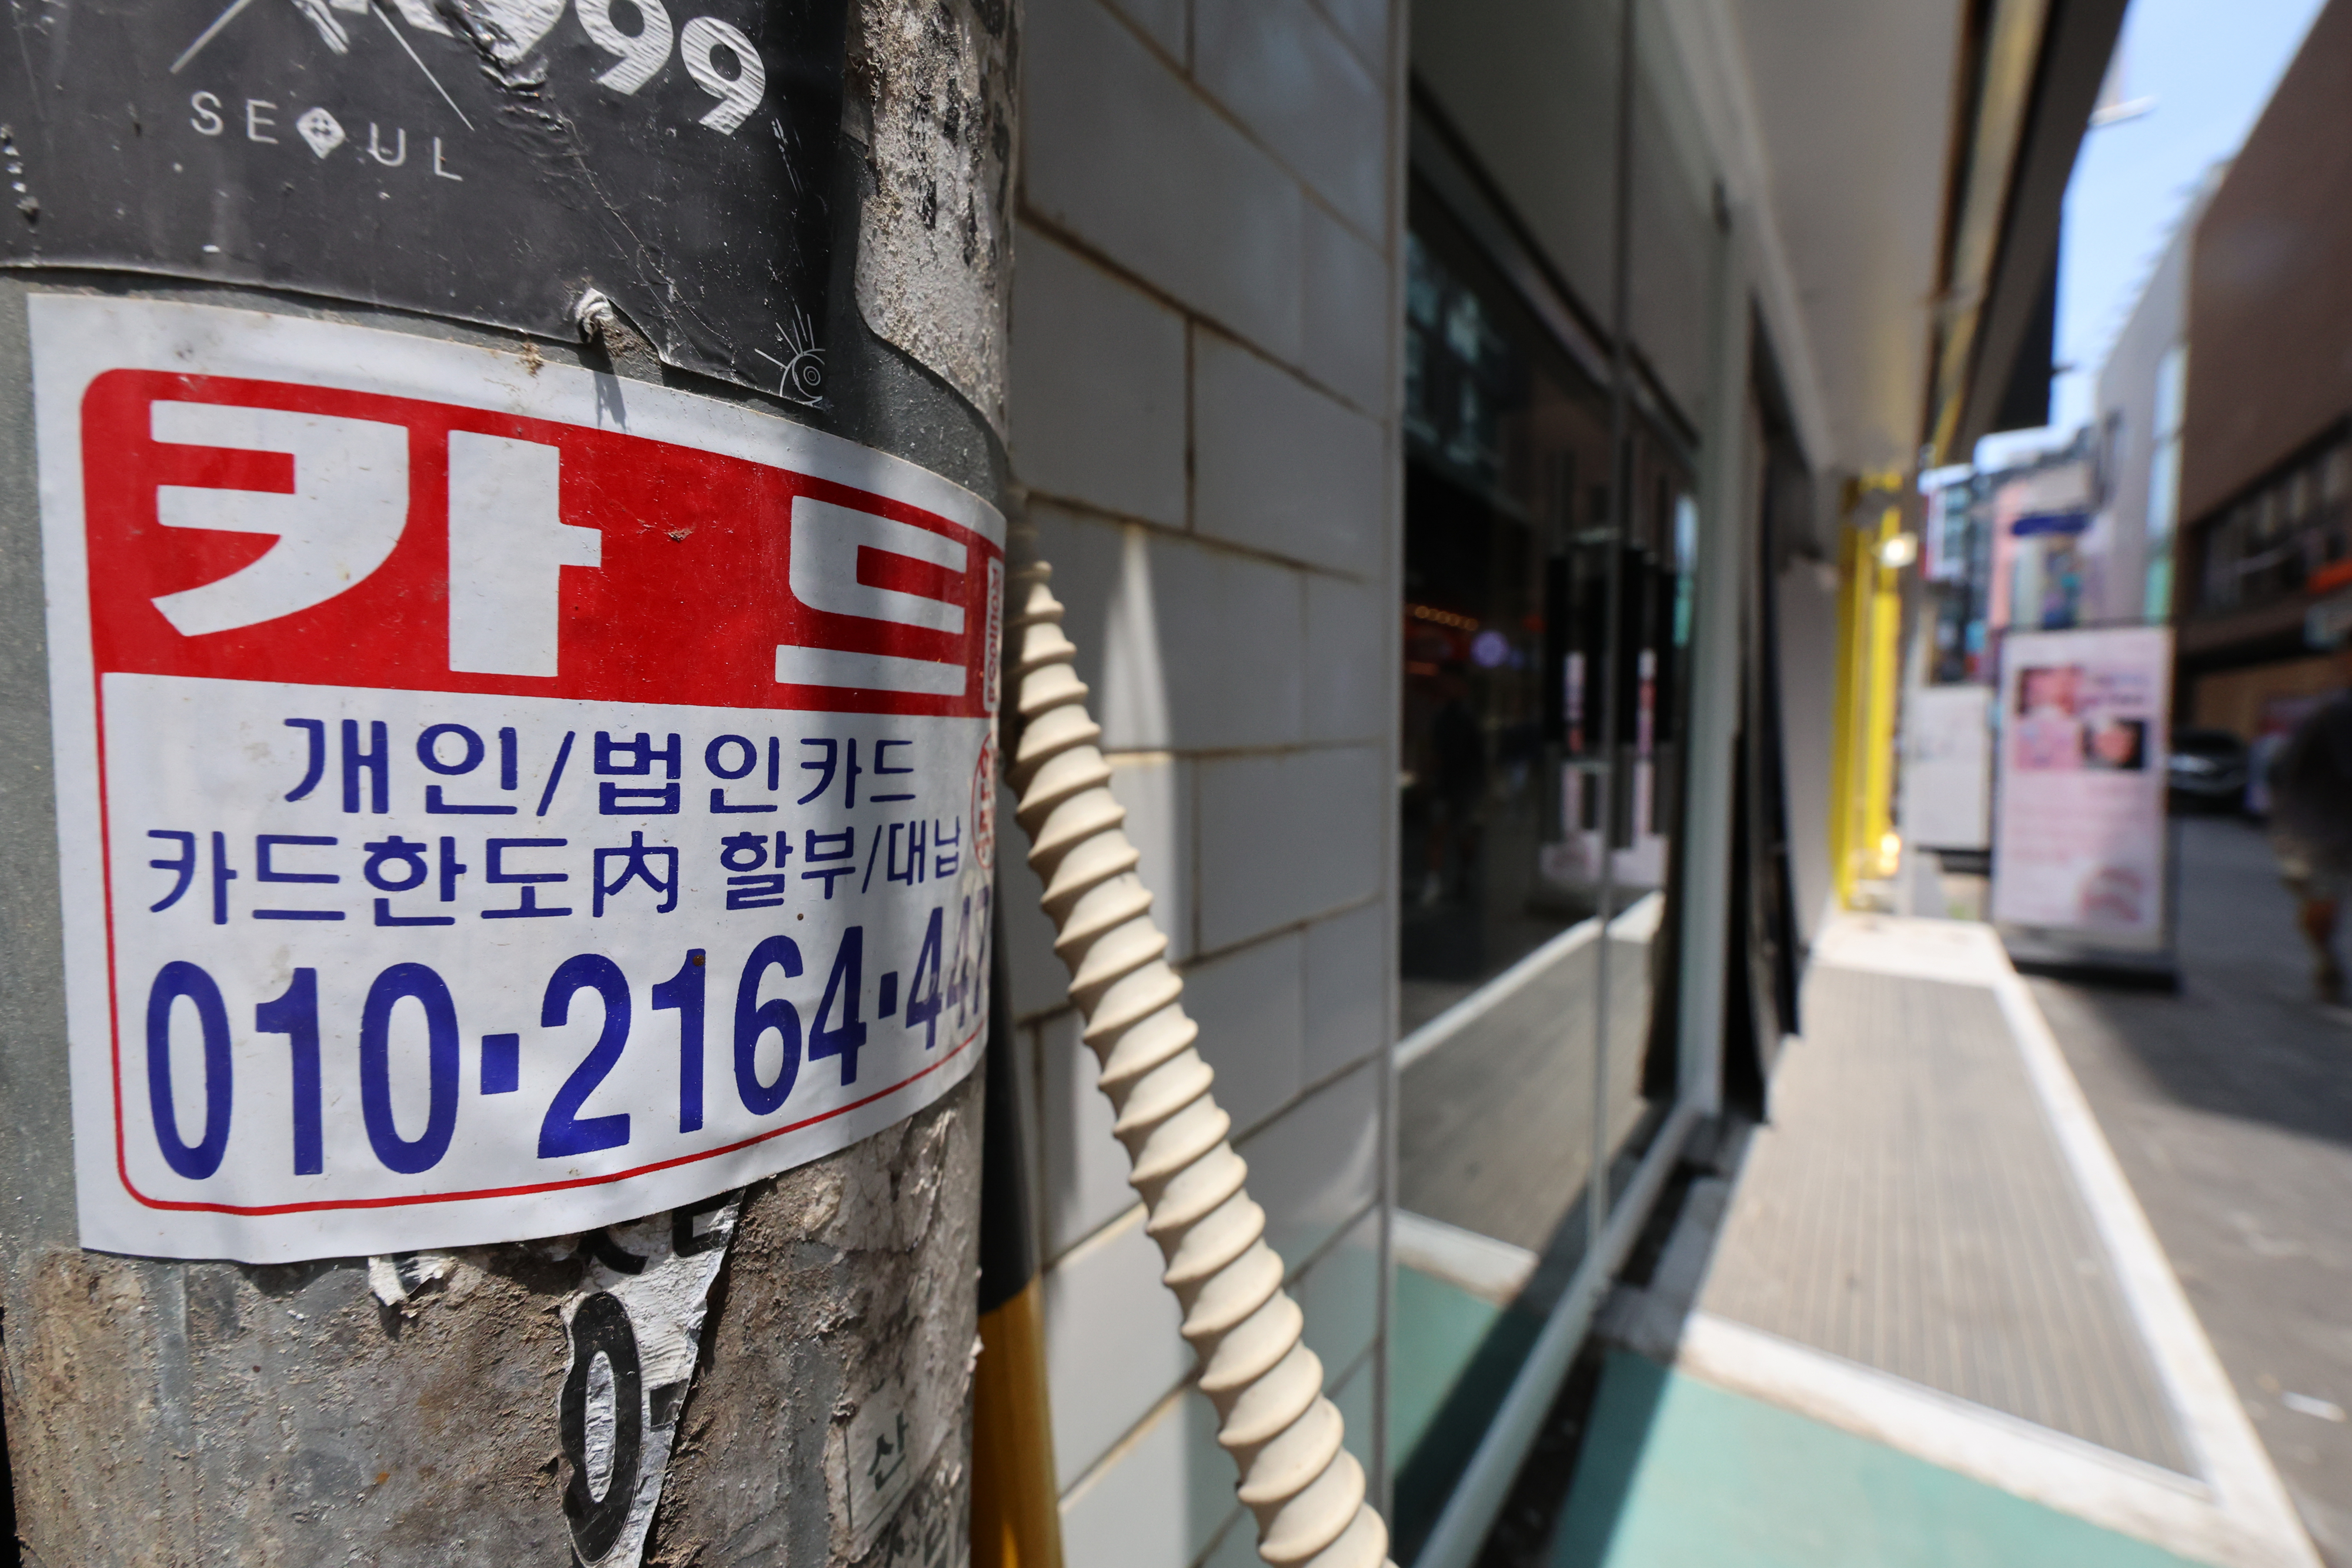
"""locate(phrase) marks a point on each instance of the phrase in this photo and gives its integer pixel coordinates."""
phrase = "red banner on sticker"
(263, 530)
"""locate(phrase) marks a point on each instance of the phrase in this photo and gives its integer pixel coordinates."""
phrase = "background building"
(2142, 393)
(2267, 454)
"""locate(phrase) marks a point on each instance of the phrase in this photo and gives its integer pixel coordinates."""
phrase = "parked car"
(2206, 770)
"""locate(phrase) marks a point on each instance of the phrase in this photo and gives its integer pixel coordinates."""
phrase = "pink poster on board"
(2079, 830)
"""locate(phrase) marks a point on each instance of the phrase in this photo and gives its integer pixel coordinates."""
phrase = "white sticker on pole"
(495, 799)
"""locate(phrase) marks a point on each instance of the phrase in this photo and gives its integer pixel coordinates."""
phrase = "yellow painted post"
(1843, 715)
(1013, 1520)
(1879, 847)
(1870, 618)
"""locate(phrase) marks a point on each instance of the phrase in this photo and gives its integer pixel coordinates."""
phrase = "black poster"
(489, 160)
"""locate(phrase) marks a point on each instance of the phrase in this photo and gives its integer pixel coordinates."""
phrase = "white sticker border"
(76, 337)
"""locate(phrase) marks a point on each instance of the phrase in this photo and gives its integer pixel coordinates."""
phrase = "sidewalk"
(2230, 1108)
(1926, 1322)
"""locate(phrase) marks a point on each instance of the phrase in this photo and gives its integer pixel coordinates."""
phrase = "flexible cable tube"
(1307, 1490)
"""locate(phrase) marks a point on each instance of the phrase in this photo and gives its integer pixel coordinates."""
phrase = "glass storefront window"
(1508, 447)
(1545, 636)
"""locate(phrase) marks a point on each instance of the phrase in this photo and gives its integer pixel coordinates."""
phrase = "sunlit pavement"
(2230, 1108)
(1679, 1473)
(1929, 1318)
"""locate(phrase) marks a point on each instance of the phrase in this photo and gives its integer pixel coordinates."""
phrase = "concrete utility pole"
(619, 385)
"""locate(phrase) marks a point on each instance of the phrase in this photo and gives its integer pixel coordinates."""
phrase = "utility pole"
(500, 580)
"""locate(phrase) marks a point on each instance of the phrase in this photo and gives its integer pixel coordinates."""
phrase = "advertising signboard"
(1947, 771)
(496, 799)
(2079, 837)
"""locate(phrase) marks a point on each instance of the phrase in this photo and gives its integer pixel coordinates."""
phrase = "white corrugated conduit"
(1307, 1490)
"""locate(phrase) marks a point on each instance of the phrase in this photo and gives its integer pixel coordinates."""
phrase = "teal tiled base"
(1676, 1473)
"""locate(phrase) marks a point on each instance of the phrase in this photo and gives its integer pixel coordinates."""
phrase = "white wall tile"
(1280, 467)
(1037, 980)
(1350, 328)
(1347, 970)
(1184, 645)
(1123, 153)
(1341, 1297)
(1167, 23)
(1159, 1502)
(1317, 1167)
(1348, 659)
(1085, 1167)
(1285, 838)
(1365, 25)
(1251, 1006)
(1086, 554)
(1098, 385)
(1234, 638)
(1112, 1350)
(1157, 790)
(1282, 70)
(1199, 654)
(1176, 1485)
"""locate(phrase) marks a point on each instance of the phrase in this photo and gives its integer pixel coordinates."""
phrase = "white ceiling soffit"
(1832, 121)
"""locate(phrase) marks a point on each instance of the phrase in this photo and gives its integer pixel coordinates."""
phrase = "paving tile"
(1123, 153)
(1280, 467)
(1680, 1472)
(1908, 1208)
(1281, 67)
(1287, 837)
(1252, 1009)
(2230, 1110)
(1098, 385)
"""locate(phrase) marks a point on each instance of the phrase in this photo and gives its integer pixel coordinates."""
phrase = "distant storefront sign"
(2328, 624)
(2051, 525)
(2079, 826)
(1948, 766)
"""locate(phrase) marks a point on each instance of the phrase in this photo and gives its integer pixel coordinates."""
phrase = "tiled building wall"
(1202, 376)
